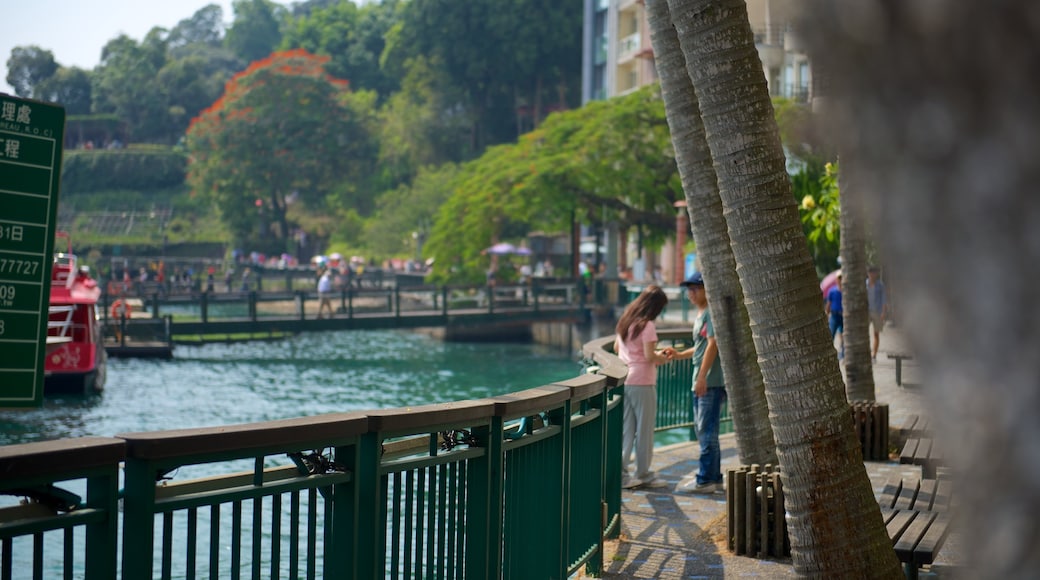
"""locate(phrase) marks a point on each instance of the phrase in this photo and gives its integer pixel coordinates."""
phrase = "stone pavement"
(670, 535)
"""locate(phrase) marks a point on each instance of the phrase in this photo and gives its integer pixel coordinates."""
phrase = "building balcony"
(628, 47)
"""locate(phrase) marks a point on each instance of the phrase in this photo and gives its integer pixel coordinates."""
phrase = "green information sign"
(31, 135)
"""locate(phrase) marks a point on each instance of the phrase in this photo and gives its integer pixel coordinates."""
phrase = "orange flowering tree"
(284, 132)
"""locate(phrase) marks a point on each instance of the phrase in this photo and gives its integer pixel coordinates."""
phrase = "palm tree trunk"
(834, 520)
(859, 374)
(747, 395)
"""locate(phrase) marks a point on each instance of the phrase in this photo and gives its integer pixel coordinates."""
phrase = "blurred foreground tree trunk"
(834, 519)
(946, 134)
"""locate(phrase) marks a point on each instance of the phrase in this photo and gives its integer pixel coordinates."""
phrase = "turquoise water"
(310, 374)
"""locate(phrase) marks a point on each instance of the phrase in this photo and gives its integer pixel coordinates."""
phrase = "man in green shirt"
(709, 391)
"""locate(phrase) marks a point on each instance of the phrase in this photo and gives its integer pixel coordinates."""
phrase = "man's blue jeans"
(706, 411)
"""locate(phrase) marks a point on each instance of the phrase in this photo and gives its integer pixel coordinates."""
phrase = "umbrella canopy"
(503, 248)
(829, 281)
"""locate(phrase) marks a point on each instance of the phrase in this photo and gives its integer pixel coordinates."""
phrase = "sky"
(76, 30)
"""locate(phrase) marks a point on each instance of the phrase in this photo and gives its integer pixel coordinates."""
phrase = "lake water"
(310, 374)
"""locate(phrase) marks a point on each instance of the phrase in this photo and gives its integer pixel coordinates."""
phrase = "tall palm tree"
(859, 373)
(747, 395)
(834, 520)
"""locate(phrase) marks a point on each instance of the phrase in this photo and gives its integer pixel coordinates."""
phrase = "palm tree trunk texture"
(946, 135)
(859, 374)
(744, 385)
(834, 520)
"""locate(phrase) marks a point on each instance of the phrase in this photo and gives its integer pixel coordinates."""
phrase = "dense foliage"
(608, 162)
(284, 132)
(139, 167)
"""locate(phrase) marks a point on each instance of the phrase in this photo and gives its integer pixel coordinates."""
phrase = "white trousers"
(639, 416)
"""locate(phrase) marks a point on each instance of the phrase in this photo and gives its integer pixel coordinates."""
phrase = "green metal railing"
(525, 485)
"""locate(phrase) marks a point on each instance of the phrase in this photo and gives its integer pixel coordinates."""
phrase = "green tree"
(27, 67)
(283, 133)
(818, 451)
(124, 84)
(256, 29)
(205, 27)
(69, 87)
(405, 215)
(503, 71)
(414, 130)
(608, 161)
(353, 37)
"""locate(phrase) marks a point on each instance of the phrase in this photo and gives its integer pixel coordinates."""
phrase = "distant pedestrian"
(709, 390)
(325, 293)
(636, 346)
(877, 304)
(836, 316)
(246, 279)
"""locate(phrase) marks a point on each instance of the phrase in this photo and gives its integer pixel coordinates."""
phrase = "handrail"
(522, 485)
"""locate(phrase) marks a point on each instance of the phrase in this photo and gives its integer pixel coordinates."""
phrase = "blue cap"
(695, 279)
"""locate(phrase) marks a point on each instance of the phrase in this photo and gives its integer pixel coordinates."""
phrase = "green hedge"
(136, 167)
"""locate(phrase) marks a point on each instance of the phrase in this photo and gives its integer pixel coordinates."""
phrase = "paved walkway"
(669, 535)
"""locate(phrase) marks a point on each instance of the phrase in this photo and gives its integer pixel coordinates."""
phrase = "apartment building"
(618, 56)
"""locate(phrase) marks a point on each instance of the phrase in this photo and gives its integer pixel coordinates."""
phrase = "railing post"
(102, 538)
(300, 310)
(485, 504)
(138, 519)
(204, 306)
(444, 301)
(155, 305)
(252, 305)
(397, 301)
(491, 299)
(350, 302)
(342, 560)
(371, 521)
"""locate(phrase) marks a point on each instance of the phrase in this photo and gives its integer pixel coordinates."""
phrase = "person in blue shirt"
(836, 316)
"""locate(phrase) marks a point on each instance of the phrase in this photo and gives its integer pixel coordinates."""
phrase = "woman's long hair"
(646, 307)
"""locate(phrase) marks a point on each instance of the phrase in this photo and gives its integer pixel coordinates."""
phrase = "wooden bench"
(917, 520)
(923, 451)
(899, 358)
(915, 426)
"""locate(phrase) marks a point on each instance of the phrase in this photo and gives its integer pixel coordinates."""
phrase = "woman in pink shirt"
(636, 345)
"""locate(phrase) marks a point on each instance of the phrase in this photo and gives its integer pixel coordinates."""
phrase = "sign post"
(31, 137)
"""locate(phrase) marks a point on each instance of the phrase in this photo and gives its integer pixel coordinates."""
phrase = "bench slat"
(890, 492)
(909, 450)
(907, 496)
(926, 495)
(932, 540)
(896, 523)
(911, 536)
(943, 491)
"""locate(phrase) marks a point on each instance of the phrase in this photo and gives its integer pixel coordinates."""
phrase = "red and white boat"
(76, 356)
